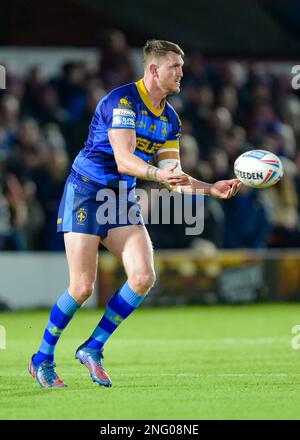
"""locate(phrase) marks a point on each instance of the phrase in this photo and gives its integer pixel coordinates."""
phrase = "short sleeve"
(118, 111)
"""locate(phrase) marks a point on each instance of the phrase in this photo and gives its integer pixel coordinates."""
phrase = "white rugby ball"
(258, 168)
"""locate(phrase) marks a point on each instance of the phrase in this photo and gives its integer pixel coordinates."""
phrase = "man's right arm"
(123, 143)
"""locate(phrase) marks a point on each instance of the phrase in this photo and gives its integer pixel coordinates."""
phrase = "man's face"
(169, 73)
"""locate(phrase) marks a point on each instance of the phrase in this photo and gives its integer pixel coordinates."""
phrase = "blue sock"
(119, 307)
(60, 316)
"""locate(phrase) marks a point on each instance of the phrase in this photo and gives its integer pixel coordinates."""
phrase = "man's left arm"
(223, 189)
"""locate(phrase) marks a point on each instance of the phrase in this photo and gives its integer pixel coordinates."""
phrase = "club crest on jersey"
(152, 128)
(164, 129)
(81, 216)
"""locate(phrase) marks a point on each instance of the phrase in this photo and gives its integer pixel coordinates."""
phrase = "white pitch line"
(225, 341)
(228, 375)
(224, 375)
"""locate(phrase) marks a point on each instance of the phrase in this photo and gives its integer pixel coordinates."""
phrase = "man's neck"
(155, 94)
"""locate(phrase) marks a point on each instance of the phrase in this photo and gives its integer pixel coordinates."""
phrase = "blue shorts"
(91, 208)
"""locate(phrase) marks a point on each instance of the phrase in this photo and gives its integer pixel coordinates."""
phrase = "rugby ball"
(258, 168)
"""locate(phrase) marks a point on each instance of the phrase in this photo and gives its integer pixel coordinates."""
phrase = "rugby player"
(131, 126)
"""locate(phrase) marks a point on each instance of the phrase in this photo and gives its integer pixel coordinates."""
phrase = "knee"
(82, 291)
(141, 282)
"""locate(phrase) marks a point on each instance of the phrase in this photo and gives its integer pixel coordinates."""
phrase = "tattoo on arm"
(151, 173)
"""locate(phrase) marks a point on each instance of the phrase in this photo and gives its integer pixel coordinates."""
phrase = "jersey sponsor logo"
(140, 124)
(123, 122)
(146, 145)
(125, 103)
(123, 112)
(123, 118)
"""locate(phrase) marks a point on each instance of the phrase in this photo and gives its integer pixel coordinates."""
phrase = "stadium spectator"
(71, 90)
(246, 221)
(116, 66)
(282, 203)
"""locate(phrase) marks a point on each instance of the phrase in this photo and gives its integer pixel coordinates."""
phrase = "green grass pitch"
(217, 362)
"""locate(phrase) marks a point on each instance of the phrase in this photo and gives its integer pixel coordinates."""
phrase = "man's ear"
(153, 69)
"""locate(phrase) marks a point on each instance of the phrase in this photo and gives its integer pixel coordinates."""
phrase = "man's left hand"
(225, 189)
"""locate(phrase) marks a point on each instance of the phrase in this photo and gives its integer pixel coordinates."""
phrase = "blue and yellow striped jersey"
(127, 107)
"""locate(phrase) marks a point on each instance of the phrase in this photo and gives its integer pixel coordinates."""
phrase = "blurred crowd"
(225, 107)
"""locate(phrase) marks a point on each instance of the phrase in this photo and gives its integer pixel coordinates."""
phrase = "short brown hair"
(160, 48)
